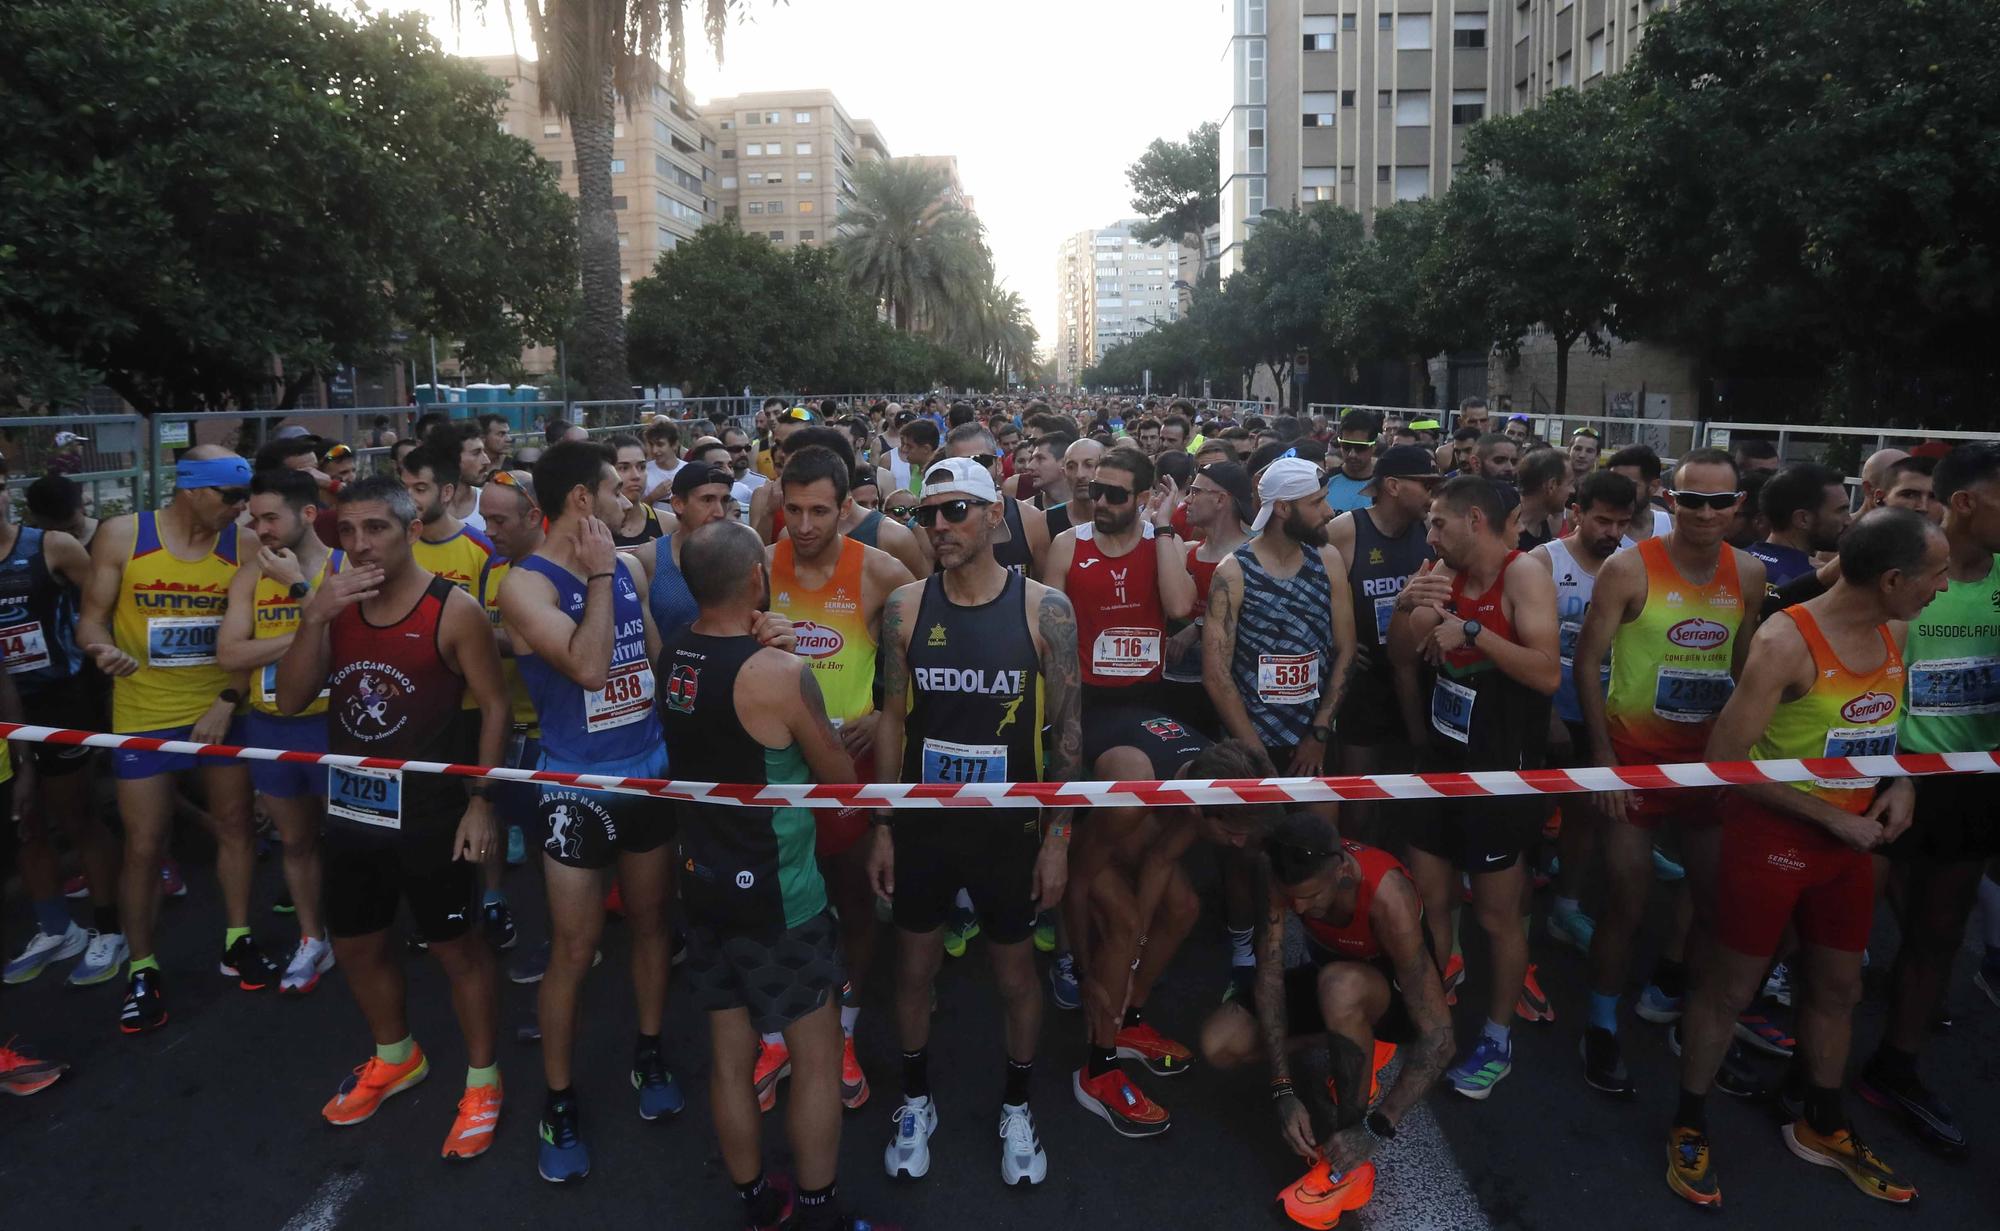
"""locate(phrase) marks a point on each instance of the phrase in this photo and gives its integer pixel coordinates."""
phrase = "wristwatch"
(1378, 1126)
(298, 590)
(1323, 735)
(230, 695)
(1470, 630)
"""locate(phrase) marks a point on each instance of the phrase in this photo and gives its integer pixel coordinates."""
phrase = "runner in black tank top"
(1378, 567)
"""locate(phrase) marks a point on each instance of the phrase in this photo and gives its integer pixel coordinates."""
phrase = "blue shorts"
(589, 829)
(130, 764)
(285, 779)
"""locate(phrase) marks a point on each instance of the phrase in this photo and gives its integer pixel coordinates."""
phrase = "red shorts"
(1695, 807)
(1775, 869)
(836, 830)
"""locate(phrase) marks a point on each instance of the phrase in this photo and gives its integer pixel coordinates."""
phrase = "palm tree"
(911, 249)
(591, 54)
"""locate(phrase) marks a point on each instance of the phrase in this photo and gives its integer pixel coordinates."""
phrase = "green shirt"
(798, 868)
(1953, 655)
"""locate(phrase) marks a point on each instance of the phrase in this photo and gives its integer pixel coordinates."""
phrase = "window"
(1468, 29)
(802, 117)
(779, 236)
(1318, 33)
(680, 209)
(618, 131)
(806, 235)
(668, 241)
(729, 212)
(1383, 22)
(755, 207)
(755, 177)
(555, 165)
(1347, 175)
(1316, 184)
(1347, 22)
(774, 207)
(1412, 183)
(728, 155)
(1319, 108)
(755, 117)
(618, 166)
(618, 203)
(624, 240)
(806, 207)
(805, 177)
(1468, 106)
(1347, 98)
(728, 125)
(753, 151)
(775, 177)
(1413, 32)
(772, 117)
(1565, 70)
(1382, 175)
(1594, 53)
(1385, 98)
(803, 148)
(552, 128)
(1563, 6)
(667, 169)
(1413, 108)
(728, 181)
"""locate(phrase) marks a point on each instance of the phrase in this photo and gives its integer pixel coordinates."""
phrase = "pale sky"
(1045, 102)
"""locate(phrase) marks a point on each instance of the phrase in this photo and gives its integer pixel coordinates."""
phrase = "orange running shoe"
(774, 1063)
(472, 1129)
(1122, 1105)
(614, 900)
(1454, 974)
(363, 1090)
(1384, 1054)
(1844, 1152)
(1534, 1005)
(853, 1082)
(1161, 1055)
(1318, 1199)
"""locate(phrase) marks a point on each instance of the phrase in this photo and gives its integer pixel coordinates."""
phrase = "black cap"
(700, 474)
(1234, 478)
(1404, 462)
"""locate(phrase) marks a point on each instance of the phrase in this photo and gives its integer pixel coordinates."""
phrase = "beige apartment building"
(1110, 288)
(787, 160)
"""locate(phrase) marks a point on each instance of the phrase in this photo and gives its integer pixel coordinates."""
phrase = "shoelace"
(1019, 1130)
(908, 1119)
(1694, 1152)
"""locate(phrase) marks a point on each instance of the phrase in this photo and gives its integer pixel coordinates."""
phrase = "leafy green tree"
(1815, 189)
(1522, 242)
(1176, 188)
(1276, 304)
(1385, 303)
(196, 189)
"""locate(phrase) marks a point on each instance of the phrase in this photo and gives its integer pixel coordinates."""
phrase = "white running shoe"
(103, 960)
(310, 960)
(1021, 1158)
(909, 1152)
(1778, 985)
(42, 949)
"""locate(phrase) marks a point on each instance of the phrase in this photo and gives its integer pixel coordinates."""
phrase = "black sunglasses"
(233, 495)
(955, 511)
(985, 460)
(1713, 500)
(1109, 494)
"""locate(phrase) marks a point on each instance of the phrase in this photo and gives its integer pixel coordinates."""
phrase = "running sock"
(231, 935)
(816, 1208)
(1567, 906)
(556, 1097)
(1604, 1012)
(917, 1074)
(52, 916)
(773, 1040)
(850, 1008)
(1102, 1060)
(105, 920)
(1692, 1113)
(1823, 1110)
(648, 1045)
(1670, 977)
(1016, 1093)
(148, 962)
(963, 901)
(398, 1052)
(762, 1204)
(488, 1076)
(1135, 1016)
(1496, 1032)
(1240, 952)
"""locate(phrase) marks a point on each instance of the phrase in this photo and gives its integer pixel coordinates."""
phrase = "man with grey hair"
(1027, 526)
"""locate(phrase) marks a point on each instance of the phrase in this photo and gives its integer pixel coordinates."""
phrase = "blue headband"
(211, 472)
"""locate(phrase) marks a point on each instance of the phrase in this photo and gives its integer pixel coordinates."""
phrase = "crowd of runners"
(1009, 590)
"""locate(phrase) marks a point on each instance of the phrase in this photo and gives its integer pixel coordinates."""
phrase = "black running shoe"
(246, 963)
(1926, 1114)
(145, 1009)
(284, 904)
(498, 922)
(1735, 1077)
(1603, 1065)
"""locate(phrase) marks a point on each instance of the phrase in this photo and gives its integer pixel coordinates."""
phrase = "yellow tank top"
(517, 692)
(1846, 714)
(168, 614)
(833, 633)
(460, 559)
(275, 613)
(1670, 667)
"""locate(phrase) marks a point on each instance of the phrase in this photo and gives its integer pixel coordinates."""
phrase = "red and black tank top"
(389, 690)
(1355, 940)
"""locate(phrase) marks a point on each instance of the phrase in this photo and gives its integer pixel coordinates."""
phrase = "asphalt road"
(213, 1121)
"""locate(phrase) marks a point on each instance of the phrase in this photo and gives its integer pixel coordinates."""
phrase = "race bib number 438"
(627, 697)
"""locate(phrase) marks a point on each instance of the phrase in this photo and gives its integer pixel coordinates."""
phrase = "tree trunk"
(600, 336)
(1563, 344)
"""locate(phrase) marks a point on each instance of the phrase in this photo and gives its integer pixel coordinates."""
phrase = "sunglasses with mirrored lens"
(797, 414)
(954, 511)
(1356, 446)
(339, 451)
(1109, 494)
(1713, 500)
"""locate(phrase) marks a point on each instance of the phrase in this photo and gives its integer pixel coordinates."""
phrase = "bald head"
(1875, 475)
(205, 453)
(721, 563)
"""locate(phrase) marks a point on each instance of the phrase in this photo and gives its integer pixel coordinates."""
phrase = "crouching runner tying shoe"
(1369, 985)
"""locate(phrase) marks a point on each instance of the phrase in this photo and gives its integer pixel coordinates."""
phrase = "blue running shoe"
(659, 1094)
(1657, 1007)
(1479, 1072)
(517, 846)
(1665, 869)
(1572, 928)
(563, 1158)
(1062, 982)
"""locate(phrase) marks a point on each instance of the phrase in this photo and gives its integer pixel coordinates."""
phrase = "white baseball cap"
(961, 476)
(1288, 478)
(66, 439)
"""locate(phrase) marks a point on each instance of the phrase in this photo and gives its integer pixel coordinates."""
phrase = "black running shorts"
(779, 979)
(366, 881)
(1956, 821)
(1303, 1018)
(989, 853)
(73, 704)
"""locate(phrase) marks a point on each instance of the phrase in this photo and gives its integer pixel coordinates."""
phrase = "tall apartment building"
(1365, 102)
(1109, 288)
(787, 161)
(664, 181)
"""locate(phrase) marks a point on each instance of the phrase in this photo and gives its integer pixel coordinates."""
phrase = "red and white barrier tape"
(1178, 793)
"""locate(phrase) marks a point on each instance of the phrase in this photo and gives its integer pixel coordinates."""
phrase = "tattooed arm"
(1294, 1121)
(1062, 683)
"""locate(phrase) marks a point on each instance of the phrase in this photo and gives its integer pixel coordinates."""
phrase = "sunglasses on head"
(1713, 500)
(339, 451)
(1109, 494)
(506, 478)
(954, 511)
(798, 414)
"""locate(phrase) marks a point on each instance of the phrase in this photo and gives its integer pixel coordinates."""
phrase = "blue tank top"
(38, 612)
(613, 723)
(1284, 644)
(674, 608)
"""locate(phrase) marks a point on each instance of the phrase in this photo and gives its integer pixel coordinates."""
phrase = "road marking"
(322, 1213)
(1418, 1186)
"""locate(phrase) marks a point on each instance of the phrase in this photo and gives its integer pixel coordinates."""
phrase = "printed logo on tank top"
(1698, 634)
(975, 680)
(375, 711)
(178, 596)
(1789, 859)
(1164, 728)
(816, 640)
(1869, 707)
(683, 686)
(937, 635)
(1375, 555)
